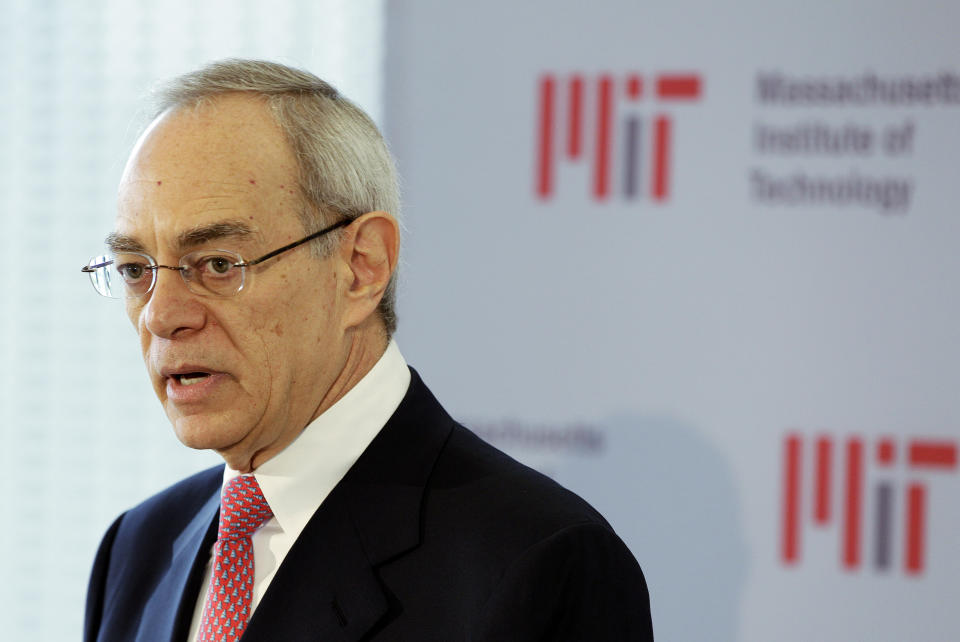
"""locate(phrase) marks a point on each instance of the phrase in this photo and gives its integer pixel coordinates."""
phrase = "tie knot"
(243, 508)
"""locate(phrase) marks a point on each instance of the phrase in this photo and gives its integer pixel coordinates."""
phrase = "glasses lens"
(121, 276)
(213, 272)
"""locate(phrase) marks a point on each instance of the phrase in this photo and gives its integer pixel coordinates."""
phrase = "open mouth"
(190, 378)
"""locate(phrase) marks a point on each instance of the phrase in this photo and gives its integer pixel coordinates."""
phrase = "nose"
(172, 310)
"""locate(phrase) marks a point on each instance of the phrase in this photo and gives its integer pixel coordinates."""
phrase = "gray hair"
(344, 165)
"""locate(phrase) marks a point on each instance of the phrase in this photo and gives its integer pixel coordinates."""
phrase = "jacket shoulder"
(137, 551)
(502, 489)
(183, 498)
(500, 542)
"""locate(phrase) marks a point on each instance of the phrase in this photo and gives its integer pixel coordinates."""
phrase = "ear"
(371, 250)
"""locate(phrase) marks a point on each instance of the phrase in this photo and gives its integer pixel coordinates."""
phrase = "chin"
(204, 433)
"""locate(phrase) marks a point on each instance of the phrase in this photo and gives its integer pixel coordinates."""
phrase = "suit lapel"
(324, 590)
(328, 586)
(169, 611)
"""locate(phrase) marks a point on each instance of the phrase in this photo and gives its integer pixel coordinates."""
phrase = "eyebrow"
(122, 243)
(187, 239)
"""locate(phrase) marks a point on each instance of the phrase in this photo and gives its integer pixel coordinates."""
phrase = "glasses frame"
(92, 269)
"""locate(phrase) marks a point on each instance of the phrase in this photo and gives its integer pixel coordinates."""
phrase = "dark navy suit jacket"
(432, 535)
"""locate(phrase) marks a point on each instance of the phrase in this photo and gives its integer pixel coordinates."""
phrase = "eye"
(218, 264)
(131, 272)
(213, 272)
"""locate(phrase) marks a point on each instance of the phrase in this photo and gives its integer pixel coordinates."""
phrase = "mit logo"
(919, 456)
(566, 135)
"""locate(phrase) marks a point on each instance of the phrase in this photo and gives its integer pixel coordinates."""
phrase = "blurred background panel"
(698, 261)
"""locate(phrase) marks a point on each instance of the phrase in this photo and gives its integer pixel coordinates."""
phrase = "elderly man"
(255, 248)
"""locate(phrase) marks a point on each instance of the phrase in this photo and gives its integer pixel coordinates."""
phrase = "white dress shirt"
(297, 480)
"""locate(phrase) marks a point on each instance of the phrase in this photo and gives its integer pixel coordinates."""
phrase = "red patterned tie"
(242, 511)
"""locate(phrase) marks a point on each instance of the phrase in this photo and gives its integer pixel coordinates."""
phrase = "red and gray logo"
(601, 121)
(914, 462)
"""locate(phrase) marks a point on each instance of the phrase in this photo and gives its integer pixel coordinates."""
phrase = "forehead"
(226, 160)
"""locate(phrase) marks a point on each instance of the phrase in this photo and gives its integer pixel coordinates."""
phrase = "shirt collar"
(297, 480)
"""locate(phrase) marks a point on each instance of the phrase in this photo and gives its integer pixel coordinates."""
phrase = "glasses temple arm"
(94, 268)
(290, 246)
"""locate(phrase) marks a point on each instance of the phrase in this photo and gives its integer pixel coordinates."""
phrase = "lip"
(184, 368)
(182, 394)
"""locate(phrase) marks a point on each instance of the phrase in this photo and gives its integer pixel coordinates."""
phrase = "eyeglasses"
(130, 275)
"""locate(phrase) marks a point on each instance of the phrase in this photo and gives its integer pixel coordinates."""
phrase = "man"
(256, 248)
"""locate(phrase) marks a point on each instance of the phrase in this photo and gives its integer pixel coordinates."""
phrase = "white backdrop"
(784, 266)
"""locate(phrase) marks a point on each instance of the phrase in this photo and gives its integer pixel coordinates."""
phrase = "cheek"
(289, 326)
(142, 333)
(280, 340)
(133, 310)
(266, 346)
